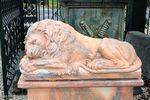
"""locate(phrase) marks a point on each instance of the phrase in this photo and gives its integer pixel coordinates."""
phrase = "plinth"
(115, 88)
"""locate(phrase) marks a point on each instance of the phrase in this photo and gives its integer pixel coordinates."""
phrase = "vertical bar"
(43, 9)
(60, 11)
(136, 12)
(128, 17)
(22, 32)
(39, 3)
(57, 9)
(48, 8)
(52, 9)
(2, 42)
(36, 4)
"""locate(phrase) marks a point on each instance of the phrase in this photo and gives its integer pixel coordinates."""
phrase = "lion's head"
(46, 38)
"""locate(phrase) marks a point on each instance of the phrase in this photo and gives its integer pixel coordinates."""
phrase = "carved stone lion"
(55, 48)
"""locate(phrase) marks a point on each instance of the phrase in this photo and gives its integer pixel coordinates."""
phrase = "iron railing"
(36, 10)
(15, 18)
(11, 28)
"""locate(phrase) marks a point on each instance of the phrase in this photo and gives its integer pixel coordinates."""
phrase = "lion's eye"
(31, 42)
(37, 42)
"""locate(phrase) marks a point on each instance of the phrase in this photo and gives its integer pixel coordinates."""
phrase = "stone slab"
(79, 83)
(96, 89)
(131, 75)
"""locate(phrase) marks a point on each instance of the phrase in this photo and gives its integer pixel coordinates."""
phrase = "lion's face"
(34, 45)
(49, 36)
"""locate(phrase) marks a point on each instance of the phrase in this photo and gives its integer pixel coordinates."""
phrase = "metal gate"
(15, 18)
(36, 10)
(11, 33)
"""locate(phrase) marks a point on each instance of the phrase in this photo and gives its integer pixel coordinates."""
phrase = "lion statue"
(55, 48)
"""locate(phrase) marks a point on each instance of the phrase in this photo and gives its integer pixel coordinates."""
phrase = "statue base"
(129, 75)
(102, 89)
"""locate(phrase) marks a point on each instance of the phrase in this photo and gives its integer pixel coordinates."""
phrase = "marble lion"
(56, 48)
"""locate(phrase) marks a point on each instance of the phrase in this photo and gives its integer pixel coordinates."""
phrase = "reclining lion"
(54, 47)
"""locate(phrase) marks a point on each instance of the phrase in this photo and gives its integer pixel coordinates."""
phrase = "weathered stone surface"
(54, 48)
(80, 90)
(131, 75)
(141, 43)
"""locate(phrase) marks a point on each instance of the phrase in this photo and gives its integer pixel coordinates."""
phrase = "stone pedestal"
(62, 64)
(99, 89)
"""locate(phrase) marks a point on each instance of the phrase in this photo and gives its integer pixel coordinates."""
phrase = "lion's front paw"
(93, 65)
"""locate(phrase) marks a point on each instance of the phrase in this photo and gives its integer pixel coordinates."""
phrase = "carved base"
(131, 75)
(80, 90)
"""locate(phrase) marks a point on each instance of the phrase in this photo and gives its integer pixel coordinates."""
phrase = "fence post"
(22, 25)
(136, 12)
(3, 60)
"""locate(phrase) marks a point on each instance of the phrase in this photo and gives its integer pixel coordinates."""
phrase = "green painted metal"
(95, 18)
